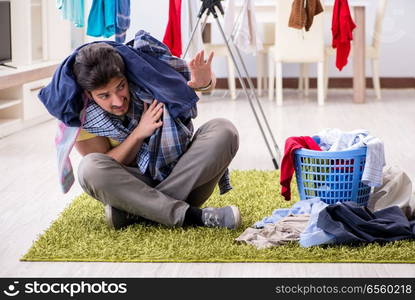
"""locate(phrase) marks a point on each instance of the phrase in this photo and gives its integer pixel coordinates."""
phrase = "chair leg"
(278, 73)
(259, 72)
(301, 78)
(271, 78)
(320, 83)
(326, 76)
(266, 70)
(376, 77)
(231, 78)
(306, 80)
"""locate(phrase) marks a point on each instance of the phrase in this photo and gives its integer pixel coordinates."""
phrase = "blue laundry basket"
(332, 176)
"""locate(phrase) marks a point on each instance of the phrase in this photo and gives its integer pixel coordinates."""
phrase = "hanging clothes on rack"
(122, 19)
(72, 10)
(229, 18)
(247, 36)
(342, 30)
(303, 13)
(101, 19)
(189, 12)
(173, 36)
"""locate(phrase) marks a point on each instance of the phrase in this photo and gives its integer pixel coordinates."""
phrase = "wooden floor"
(31, 199)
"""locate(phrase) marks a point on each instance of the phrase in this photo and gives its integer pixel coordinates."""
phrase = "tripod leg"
(193, 33)
(248, 94)
(251, 86)
(211, 6)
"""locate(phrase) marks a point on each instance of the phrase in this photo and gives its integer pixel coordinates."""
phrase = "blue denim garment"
(122, 19)
(149, 66)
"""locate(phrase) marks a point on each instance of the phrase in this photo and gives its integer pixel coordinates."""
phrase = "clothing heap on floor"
(389, 214)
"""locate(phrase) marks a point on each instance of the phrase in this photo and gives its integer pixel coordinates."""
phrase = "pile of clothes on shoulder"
(388, 216)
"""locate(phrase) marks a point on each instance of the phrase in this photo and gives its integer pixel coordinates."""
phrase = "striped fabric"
(122, 19)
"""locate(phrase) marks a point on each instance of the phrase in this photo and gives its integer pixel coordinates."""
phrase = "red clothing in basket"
(287, 163)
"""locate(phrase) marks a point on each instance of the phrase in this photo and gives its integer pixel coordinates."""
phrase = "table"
(265, 12)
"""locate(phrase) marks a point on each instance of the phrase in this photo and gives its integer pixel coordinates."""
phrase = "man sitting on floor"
(140, 157)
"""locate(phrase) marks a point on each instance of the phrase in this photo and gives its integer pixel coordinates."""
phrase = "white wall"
(398, 37)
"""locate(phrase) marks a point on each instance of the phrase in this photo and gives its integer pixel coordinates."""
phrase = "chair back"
(294, 45)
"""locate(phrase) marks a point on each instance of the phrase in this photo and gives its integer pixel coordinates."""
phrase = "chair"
(268, 37)
(295, 46)
(233, 11)
(372, 50)
(222, 50)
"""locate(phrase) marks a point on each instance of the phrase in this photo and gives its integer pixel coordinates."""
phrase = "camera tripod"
(209, 7)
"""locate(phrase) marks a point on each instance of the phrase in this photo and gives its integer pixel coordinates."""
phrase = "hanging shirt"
(229, 18)
(122, 19)
(101, 19)
(72, 10)
(189, 12)
(342, 30)
(247, 36)
(303, 13)
(173, 36)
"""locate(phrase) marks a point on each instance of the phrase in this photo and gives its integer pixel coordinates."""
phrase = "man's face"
(113, 97)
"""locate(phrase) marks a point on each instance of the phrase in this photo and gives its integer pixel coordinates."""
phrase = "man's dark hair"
(96, 64)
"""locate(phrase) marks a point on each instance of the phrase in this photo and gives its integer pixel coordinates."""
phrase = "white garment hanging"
(247, 36)
(229, 18)
(189, 12)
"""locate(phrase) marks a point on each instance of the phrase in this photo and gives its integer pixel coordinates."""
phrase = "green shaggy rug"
(80, 234)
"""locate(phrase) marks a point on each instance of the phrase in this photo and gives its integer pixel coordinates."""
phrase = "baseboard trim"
(343, 82)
